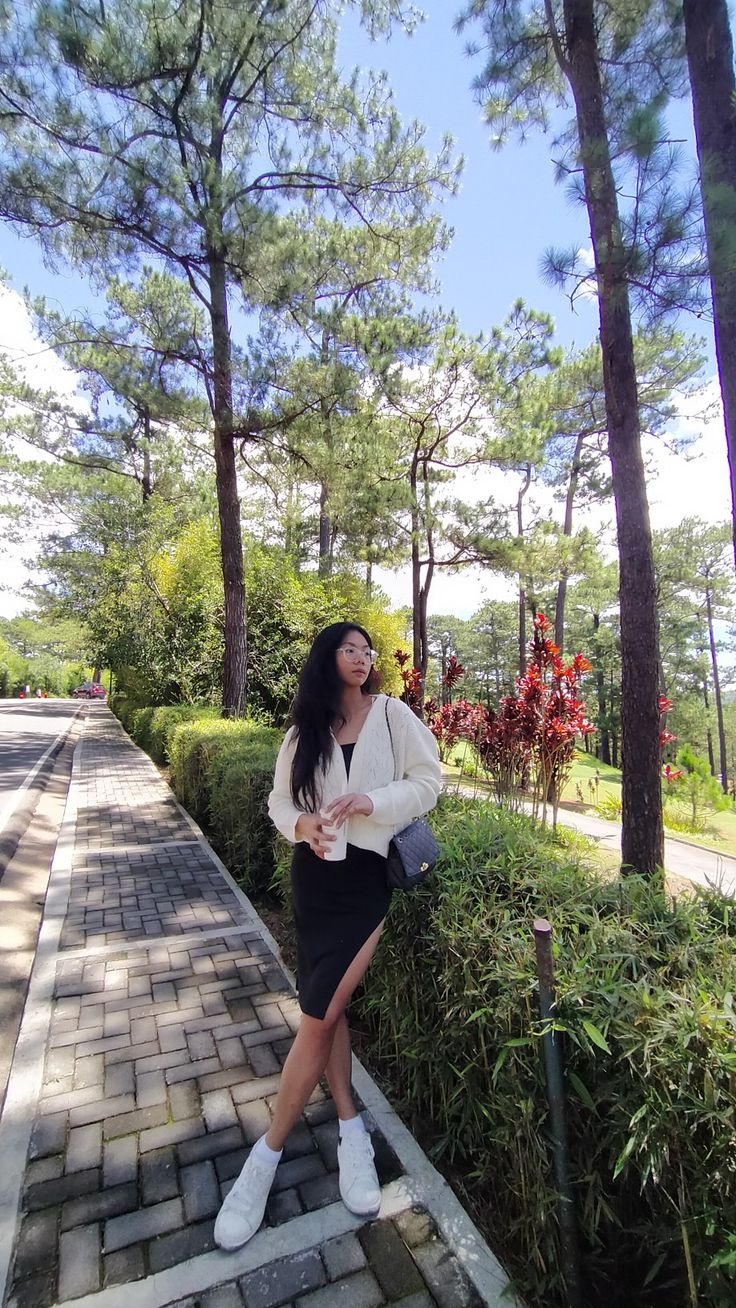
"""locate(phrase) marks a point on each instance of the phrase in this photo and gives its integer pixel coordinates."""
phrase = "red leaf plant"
(454, 722)
(413, 692)
(530, 742)
(665, 737)
(453, 673)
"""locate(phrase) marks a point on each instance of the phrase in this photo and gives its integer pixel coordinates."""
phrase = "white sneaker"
(242, 1211)
(359, 1188)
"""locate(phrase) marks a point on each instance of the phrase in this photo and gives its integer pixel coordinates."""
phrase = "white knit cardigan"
(373, 770)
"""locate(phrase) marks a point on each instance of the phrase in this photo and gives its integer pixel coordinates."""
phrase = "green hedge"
(221, 770)
(647, 1029)
(153, 727)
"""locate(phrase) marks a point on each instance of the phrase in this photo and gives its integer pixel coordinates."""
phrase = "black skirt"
(337, 906)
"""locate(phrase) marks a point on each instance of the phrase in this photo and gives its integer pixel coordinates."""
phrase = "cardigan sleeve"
(418, 790)
(281, 808)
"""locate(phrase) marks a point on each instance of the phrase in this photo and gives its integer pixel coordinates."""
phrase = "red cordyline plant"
(504, 749)
(665, 737)
(530, 742)
(670, 774)
(453, 673)
(454, 722)
(413, 692)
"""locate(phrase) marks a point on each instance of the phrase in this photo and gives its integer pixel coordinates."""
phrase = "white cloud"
(696, 484)
(30, 356)
(41, 368)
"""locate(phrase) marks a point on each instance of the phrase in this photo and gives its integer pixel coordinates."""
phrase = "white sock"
(266, 1154)
(352, 1124)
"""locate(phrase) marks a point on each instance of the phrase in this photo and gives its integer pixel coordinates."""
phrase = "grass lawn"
(583, 775)
(720, 833)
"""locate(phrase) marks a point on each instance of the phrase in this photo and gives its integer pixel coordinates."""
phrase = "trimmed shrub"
(646, 1017)
(240, 778)
(153, 727)
(222, 771)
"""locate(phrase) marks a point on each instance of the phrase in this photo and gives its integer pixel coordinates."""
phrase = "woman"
(354, 764)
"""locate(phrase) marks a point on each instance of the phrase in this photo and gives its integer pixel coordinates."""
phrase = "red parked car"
(89, 690)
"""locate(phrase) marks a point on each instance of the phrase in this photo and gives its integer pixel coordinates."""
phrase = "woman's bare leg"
(312, 1048)
(338, 1069)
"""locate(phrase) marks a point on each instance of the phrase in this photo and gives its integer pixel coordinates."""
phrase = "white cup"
(337, 848)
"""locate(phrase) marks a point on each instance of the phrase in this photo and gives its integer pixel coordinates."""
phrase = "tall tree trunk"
(572, 487)
(289, 519)
(146, 484)
(723, 758)
(421, 524)
(416, 568)
(642, 845)
(325, 522)
(231, 541)
(708, 732)
(325, 532)
(604, 746)
(710, 65)
(427, 583)
(522, 592)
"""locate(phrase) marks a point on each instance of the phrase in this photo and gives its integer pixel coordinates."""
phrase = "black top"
(347, 753)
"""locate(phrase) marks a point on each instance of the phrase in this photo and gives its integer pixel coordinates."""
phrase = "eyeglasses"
(353, 654)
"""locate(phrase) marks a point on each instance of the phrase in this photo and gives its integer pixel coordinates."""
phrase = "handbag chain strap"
(390, 734)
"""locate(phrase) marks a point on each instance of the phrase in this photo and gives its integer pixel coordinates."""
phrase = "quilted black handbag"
(413, 852)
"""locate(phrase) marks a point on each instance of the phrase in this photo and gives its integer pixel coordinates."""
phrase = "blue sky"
(508, 211)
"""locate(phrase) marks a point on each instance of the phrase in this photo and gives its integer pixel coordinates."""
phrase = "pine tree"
(589, 54)
(186, 132)
(709, 48)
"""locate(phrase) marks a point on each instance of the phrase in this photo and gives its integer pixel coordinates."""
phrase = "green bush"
(222, 771)
(678, 818)
(696, 784)
(153, 727)
(240, 778)
(646, 1023)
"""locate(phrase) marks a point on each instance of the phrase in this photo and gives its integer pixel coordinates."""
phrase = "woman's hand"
(347, 806)
(309, 828)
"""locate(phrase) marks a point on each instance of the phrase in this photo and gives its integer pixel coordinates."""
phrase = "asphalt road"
(28, 730)
(703, 866)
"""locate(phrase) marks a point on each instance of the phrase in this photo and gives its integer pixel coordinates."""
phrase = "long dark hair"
(317, 706)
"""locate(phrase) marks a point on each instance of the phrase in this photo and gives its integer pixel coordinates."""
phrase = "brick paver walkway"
(157, 1022)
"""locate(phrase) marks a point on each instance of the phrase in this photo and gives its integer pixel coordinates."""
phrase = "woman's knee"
(317, 1031)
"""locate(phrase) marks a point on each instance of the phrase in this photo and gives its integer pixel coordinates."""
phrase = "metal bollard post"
(556, 1100)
